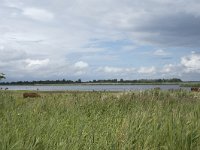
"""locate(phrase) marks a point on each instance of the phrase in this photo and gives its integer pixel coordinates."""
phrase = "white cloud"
(172, 70)
(80, 68)
(168, 68)
(112, 69)
(188, 67)
(147, 70)
(33, 64)
(38, 14)
(160, 52)
(191, 62)
(81, 65)
(115, 70)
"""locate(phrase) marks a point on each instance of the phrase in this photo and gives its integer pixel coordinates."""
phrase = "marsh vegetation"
(151, 119)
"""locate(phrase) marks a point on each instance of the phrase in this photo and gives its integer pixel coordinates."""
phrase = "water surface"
(93, 87)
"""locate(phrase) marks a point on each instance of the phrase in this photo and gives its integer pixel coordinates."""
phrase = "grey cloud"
(179, 29)
(73, 24)
(8, 55)
(165, 23)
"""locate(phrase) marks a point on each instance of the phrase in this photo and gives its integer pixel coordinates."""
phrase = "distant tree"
(2, 76)
(78, 81)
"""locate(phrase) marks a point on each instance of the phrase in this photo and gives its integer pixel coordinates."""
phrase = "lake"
(93, 87)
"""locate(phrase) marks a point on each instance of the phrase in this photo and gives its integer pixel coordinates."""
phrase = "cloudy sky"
(99, 39)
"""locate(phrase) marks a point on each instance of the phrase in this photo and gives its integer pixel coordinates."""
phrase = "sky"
(99, 39)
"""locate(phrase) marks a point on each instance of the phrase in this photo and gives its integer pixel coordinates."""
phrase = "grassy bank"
(190, 84)
(100, 120)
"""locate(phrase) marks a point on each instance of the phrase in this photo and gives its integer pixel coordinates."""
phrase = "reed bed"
(153, 119)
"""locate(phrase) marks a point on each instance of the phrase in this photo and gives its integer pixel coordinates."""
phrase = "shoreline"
(79, 84)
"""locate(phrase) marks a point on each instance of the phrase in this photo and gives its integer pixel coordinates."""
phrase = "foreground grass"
(100, 120)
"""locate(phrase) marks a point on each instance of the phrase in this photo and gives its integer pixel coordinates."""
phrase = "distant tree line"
(173, 80)
(137, 81)
(41, 82)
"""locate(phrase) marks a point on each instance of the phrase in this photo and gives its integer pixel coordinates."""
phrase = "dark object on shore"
(6, 88)
(195, 89)
(31, 95)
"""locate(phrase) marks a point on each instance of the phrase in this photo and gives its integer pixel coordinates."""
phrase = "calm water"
(94, 87)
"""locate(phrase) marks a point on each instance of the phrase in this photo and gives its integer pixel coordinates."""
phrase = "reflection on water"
(94, 87)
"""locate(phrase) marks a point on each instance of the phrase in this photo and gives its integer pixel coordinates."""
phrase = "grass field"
(100, 120)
